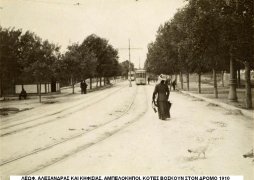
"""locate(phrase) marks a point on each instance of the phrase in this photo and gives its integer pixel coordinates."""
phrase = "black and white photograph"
(126, 89)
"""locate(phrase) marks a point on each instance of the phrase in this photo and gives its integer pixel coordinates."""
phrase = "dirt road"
(115, 131)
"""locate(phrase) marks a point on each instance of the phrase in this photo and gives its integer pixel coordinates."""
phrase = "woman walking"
(161, 91)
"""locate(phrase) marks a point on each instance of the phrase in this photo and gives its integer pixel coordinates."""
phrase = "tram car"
(140, 76)
(131, 75)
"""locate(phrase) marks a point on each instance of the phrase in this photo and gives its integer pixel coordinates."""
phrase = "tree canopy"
(200, 35)
(26, 58)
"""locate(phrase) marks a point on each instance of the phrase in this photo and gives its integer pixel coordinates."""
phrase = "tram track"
(53, 118)
(2, 125)
(9, 119)
(69, 138)
(77, 137)
(86, 146)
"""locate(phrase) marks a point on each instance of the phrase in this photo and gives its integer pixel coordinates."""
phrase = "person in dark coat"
(82, 86)
(174, 84)
(162, 92)
(168, 83)
(22, 94)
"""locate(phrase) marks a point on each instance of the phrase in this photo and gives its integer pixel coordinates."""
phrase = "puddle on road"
(6, 111)
(11, 110)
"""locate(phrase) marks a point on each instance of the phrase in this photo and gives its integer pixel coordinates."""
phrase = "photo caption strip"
(81, 177)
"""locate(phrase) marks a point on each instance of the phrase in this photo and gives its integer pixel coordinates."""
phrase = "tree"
(106, 55)
(24, 58)
(9, 58)
(71, 65)
(206, 35)
(125, 68)
(245, 40)
(238, 18)
(41, 67)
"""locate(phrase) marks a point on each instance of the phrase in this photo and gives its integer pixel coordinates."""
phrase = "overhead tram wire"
(129, 48)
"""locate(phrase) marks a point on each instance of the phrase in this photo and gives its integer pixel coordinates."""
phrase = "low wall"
(34, 88)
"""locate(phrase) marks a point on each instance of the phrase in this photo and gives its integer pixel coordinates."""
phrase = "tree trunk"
(222, 78)
(1, 87)
(232, 96)
(39, 92)
(13, 86)
(238, 78)
(215, 84)
(91, 83)
(176, 78)
(73, 87)
(188, 81)
(199, 82)
(100, 81)
(181, 80)
(46, 89)
(248, 86)
(104, 81)
(72, 83)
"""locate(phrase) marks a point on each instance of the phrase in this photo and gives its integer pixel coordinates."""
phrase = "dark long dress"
(162, 92)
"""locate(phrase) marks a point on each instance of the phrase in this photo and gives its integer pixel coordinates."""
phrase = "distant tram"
(132, 75)
(140, 75)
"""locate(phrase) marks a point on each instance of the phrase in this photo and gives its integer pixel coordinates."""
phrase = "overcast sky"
(63, 22)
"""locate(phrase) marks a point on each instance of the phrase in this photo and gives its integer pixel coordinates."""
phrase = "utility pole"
(139, 62)
(130, 85)
(129, 49)
(232, 95)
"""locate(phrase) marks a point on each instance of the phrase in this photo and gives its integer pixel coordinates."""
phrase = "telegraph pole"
(130, 85)
(232, 95)
(129, 49)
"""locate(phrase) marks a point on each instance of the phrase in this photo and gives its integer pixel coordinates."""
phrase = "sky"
(64, 22)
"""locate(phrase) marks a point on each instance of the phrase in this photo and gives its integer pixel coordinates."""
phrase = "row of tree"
(206, 36)
(26, 58)
(94, 57)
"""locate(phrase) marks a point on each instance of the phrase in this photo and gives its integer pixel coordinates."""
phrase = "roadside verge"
(244, 112)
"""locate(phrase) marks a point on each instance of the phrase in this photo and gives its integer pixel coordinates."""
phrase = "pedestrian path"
(245, 112)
